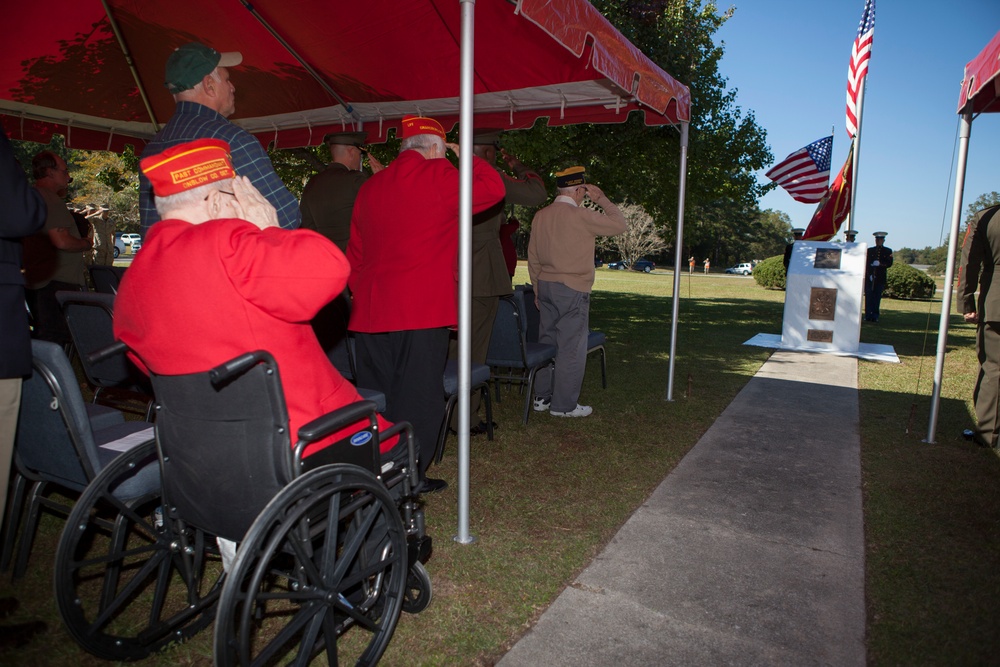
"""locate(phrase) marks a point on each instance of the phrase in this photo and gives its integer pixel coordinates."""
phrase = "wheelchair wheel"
(129, 579)
(418, 589)
(328, 554)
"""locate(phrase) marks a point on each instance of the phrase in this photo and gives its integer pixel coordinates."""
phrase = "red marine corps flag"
(834, 207)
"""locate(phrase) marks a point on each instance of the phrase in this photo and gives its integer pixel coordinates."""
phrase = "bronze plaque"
(819, 335)
(827, 258)
(822, 303)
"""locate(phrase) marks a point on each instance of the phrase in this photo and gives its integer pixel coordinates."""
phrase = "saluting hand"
(375, 165)
(252, 205)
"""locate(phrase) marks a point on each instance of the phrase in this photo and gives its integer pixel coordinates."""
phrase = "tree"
(984, 200)
(641, 239)
(772, 231)
(637, 163)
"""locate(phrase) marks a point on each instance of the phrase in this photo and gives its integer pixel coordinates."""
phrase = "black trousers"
(408, 367)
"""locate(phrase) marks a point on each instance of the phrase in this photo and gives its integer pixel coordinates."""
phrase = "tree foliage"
(984, 200)
(642, 238)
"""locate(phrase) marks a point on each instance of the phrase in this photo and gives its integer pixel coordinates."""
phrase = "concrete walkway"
(751, 552)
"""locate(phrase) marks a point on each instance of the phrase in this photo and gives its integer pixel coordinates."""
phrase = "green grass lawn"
(546, 497)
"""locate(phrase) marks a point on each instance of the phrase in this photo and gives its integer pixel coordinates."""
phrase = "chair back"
(224, 443)
(524, 296)
(54, 438)
(90, 318)
(507, 339)
(106, 278)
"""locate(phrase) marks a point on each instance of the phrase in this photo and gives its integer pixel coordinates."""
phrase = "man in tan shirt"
(561, 266)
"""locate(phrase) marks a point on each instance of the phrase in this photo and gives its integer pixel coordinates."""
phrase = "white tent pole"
(965, 132)
(465, 109)
(678, 247)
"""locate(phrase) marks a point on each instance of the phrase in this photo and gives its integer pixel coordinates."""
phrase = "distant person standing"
(198, 78)
(691, 264)
(404, 276)
(707, 264)
(878, 262)
(849, 235)
(977, 270)
(104, 235)
(561, 267)
(328, 198)
(491, 278)
(327, 204)
(53, 258)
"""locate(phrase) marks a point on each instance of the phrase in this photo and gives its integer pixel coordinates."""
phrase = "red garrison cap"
(188, 166)
(414, 125)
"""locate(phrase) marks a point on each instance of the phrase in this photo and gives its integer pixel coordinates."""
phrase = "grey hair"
(165, 206)
(422, 143)
(198, 88)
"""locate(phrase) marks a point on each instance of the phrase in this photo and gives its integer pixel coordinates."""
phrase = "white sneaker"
(578, 411)
(542, 404)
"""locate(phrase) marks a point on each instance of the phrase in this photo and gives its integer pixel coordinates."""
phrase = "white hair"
(191, 94)
(423, 143)
(165, 206)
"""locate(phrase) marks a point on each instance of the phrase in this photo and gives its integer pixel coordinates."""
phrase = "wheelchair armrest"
(332, 422)
(103, 353)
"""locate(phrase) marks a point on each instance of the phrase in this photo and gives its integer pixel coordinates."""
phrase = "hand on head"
(453, 148)
(593, 191)
(252, 206)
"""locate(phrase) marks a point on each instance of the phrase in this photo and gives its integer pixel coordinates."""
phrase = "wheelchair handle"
(237, 366)
(99, 355)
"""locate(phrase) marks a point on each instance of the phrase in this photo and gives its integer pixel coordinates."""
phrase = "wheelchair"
(329, 543)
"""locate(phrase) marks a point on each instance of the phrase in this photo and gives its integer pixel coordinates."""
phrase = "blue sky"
(788, 60)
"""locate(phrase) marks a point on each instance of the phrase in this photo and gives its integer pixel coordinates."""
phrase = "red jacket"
(404, 243)
(199, 295)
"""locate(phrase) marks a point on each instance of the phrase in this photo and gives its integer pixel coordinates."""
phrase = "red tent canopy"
(981, 83)
(314, 66)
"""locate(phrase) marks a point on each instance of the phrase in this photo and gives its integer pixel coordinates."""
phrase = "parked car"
(643, 265)
(127, 243)
(743, 268)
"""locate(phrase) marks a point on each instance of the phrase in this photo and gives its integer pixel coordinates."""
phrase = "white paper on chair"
(129, 441)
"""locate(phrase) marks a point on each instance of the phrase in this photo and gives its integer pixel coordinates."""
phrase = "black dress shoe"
(431, 485)
(16, 636)
(481, 428)
(8, 606)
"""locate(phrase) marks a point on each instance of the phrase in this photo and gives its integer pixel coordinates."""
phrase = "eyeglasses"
(231, 194)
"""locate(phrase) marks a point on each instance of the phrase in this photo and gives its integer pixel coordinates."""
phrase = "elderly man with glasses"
(561, 266)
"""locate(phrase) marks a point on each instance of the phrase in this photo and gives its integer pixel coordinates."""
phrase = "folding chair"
(115, 381)
(480, 379)
(596, 340)
(513, 358)
(106, 279)
(57, 445)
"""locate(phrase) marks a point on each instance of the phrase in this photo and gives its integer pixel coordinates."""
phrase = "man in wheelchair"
(218, 277)
(217, 309)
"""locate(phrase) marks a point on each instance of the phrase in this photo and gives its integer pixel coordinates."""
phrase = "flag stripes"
(805, 173)
(860, 54)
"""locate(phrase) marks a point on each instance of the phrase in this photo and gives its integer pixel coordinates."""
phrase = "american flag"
(861, 52)
(805, 173)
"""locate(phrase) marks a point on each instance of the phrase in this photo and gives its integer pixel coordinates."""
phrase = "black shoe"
(8, 606)
(481, 428)
(16, 636)
(431, 485)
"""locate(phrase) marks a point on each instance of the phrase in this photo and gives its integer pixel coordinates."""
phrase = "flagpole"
(857, 153)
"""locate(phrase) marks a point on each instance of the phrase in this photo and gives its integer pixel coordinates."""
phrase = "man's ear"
(214, 204)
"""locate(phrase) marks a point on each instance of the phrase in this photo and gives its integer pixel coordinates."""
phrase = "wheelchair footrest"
(419, 548)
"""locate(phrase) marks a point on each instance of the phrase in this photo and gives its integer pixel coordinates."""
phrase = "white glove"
(875, 263)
